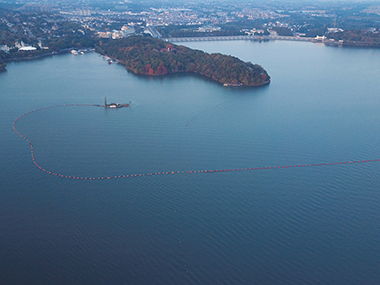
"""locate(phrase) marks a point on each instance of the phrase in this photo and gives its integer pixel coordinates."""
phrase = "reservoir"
(295, 225)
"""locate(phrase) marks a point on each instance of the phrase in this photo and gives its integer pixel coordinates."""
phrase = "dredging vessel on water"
(115, 105)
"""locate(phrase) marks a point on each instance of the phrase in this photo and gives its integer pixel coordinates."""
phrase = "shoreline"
(63, 51)
(36, 56)
(327, 42)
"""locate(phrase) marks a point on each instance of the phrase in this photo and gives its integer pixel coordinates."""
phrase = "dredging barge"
(115, 105)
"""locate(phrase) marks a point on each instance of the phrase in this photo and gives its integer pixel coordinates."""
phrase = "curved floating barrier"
(165, 172)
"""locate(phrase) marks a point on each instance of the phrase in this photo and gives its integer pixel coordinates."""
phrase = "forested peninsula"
(151, 56)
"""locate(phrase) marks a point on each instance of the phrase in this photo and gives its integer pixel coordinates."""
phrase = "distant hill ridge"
(151, 56)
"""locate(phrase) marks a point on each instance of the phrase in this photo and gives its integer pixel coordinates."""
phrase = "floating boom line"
(262, 168)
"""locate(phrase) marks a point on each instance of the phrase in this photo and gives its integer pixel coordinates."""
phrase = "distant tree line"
(283, 31)
(363, 38)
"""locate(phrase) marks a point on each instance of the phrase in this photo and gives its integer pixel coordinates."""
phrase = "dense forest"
(157, 57)
(362, 38)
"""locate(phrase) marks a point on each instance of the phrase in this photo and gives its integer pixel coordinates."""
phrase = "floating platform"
(115, 105)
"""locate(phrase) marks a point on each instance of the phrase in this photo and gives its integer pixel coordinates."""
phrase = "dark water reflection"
(301, 225)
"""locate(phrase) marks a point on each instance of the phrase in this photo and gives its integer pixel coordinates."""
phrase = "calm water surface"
(290, 226)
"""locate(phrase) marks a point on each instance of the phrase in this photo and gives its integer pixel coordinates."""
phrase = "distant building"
(104, 34)
(334, 30)
(5, 48)
(83, 12)
(127, 30)
(319, 39)
(27, 48)
(208, 29)
(273, 33)
(116, 35)
(41, 45)
(254, 31)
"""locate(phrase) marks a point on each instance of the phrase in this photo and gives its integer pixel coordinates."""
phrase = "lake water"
(303, 225)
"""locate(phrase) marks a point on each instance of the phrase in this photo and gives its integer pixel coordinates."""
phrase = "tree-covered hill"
(157, 57)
